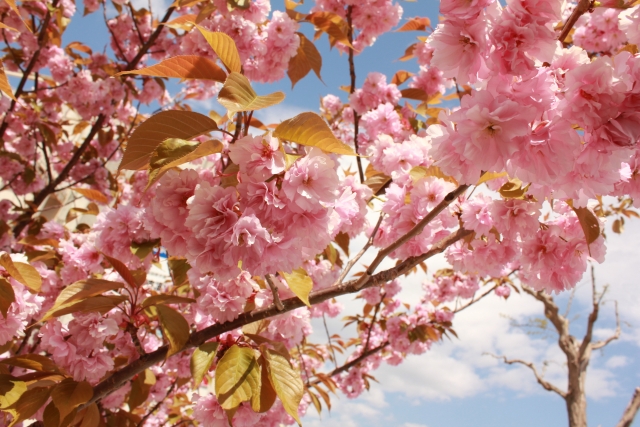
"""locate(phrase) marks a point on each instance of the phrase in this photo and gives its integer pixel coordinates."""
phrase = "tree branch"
(631, 410)
(544, 383)
(352, 74)
(417, 229)
(359, 255)
(600, 344)
(593, 316)
(581, 8)
(119, 378)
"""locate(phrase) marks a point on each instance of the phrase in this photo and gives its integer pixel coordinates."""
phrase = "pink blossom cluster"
(370, 18)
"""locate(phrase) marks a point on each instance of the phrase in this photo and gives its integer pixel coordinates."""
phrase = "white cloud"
(616, 362)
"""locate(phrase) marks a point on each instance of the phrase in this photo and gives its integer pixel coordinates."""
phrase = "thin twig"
(326, 329)
(544, 383)
(352, 74)
(581, 8)
(364, 249)
(354, 362)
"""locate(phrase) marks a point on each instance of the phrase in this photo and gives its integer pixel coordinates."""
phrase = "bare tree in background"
(578, 353)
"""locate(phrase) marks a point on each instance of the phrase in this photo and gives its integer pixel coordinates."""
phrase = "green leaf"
(166, 124)
(179, 268)
(34, 362)
(224, 47)
(589, 223)
(311, 130)
(238, 95)
(80, 291)
(28, 404)
(166, 299)
(174, 152)
(299, 283)
(201, 361)
(237, 377)
(7, 296)
(174, 328)
(23, 273)
(286, 382)
(10, 390)
(265, 396)
(184, 67)
(70, 394)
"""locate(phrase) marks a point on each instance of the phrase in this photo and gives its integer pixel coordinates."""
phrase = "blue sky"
(455, 384)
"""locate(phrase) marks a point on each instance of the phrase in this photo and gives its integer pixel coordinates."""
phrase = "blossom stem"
(581, 8)
(274, 291)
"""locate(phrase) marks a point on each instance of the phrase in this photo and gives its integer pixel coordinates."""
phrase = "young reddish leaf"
(70, 394)
(174, 152)
(6, 27)
(415, 24)
(5, 86)
(10, 390)
(174, 328)
(315, 401)
(513, 189)
(225, 48)
(92, 194)
(332, 24)
(159, 127)
(286, 382)
(311, 130)
(201, 361)
(34, 362)
(237, 377)
(589, 223)
(23, 273)
(28, 404)
(165, 299)
(140, 388)
(415, 93)
(300, 284)
(265, 396)
(238, 95)
(307, 58)
(123, 271)
(408, 53)
(183, 67)
(80, 291)
(342, 239)
(7, 296)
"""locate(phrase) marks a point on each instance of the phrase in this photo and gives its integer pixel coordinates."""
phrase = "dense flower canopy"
(512, 141)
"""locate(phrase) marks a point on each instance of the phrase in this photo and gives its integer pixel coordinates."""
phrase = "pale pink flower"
(258, 157)
(310, 181)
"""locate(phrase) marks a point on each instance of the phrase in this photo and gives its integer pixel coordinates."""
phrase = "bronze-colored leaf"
(93, 195)
(165, 299)
(174, 328)
(238, 95)
(401, 77)
(80, 291)
(159, 127)
(420, 172)
(265, 396)
(311, 130)
(224, 47)
(179, 268)
(237, 377)
(415, 24)
(23, 273)
(306, 59)
(589, 223)
(100, 304)
(34, 362)
(184, 67)
(70, 394)
(5, 86)
(7, 296)
(124, 272)
(28, 404)
(286, 382)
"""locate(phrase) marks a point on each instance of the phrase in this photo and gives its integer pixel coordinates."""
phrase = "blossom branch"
(274, 291)
(51, 187)
(354, 362)
(600, 344)
(364, 249)
(544, 383)
(416, 230)
(42, 38)
(119, 378)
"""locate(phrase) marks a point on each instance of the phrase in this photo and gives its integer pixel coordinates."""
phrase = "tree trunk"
(576, 397)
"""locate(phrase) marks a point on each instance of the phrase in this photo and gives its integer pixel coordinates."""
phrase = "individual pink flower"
(310, 181)
(258, 157)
